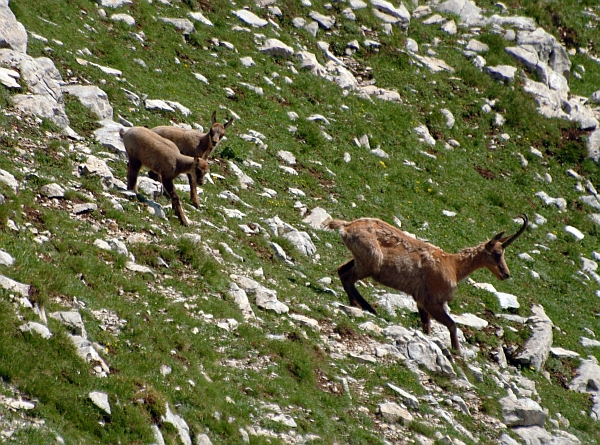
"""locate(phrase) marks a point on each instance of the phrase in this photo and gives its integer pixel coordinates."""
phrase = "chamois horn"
(510, 240)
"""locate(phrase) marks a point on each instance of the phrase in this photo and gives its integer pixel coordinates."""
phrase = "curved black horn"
(509, 241)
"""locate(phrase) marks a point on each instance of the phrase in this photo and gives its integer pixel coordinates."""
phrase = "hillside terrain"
(449, 120)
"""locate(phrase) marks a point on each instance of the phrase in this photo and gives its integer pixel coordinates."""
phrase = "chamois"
(194, 143)
(144, 147)
(422, 270)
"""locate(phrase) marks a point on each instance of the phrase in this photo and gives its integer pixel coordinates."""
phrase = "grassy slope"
(158, 330)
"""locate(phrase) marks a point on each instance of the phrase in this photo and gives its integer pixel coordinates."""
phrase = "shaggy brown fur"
(144, 147)
(430, 275)
(194, 143)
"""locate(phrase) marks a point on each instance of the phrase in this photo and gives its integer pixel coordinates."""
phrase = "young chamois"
(194, 143)
(426, 272)
(144, 147)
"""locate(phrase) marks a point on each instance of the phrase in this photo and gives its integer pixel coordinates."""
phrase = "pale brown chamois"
(146, 148)
(422, 270)
(194, 143)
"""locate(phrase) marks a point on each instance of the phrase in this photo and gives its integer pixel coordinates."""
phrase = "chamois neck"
(184, 163)
(468, 261)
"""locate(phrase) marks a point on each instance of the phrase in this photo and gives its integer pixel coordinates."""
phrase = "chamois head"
(199, 171)
(494, 251)
(217, 130)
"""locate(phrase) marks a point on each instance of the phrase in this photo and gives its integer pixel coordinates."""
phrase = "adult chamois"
(422, 270)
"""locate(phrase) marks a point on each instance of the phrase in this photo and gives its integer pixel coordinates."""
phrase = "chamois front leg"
(348, 276)
(133, 169)
(425, 320)
(439, 314)
(193, 191)
(176, 203)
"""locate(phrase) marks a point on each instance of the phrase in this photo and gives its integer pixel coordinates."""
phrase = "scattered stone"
(197, 16)
(182, 428)
(507, 301)
(52, 191)
(393, 412)
(9, 180)
(563, 353)
(277, 48)
(11, 285)
(470, 320)
(502, 73)
(250, 18)
(537, 348)
(316, 217)
(38, 328)
(305, 321)
(410, 400)
(588, 381)
(181, 24)
(522, 412)
(100, 399)
(575, 232)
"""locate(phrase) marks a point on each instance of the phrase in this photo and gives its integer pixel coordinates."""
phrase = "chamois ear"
(492, 242)
(228, 123)
(213, 119)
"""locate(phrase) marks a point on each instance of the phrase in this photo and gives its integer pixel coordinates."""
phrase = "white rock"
(507, 301)
(6, 258)
(575, 232)
(100, 399)
(250, 18)
(38, 328)
(197, 16)
(8, 179)
(125, 18)
(470, 320)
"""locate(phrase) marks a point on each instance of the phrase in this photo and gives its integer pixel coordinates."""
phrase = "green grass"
(487, 188)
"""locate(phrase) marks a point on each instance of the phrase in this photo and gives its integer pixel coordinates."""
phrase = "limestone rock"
(183, 430)
(73, 320)
(250, 18)
(316, 217)
(274, 47)
(52, 191)
(588, 380)
(93, 98)
(325, 21)
(6, 259)
(100, 399)
(11, 285)
(241, 299)
(522, 412)
(502, 73)
(12, 33)
(181, 24)
(199, 17)
(38, 328)
(393, 412)
(9, 180)
(537, 348)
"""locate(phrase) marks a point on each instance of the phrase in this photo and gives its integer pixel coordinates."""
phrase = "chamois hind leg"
(349, 276)
(439, 314)
(133, 169)
(425, 320)
(193, 192)
(176, 203)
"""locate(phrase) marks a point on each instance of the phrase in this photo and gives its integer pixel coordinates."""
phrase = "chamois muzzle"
(509, 241)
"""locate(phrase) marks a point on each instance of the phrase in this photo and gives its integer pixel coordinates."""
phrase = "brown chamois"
(422, 270)
(146, 148)
(194, 143)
